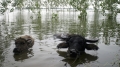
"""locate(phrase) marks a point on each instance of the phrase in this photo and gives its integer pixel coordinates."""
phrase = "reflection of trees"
(51, 23)
(48, 24)
(24, 55)
(118, 35)
(109, 29)
(4, 40)
(6, 36)
(84, 58)
(94, 27)
(79, 28)
(8, 31)
(19, 22)
(118, 41)
(38, 24)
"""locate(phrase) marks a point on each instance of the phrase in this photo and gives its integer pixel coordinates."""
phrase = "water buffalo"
(76, 44)
(23, 43)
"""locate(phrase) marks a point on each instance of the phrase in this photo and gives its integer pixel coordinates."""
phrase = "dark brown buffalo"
(76, 44)
(23, 43)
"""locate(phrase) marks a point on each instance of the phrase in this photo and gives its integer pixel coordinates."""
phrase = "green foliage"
(4, 5)
(108, 4)
(18, 3)
(11, 10)
(111, 6)
(12, 4)
(80, 5)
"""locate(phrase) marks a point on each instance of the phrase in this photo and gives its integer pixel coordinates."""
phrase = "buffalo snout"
(72, 53)
(16, 51)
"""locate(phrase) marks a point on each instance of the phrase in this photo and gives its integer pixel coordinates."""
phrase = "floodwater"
(43, 24)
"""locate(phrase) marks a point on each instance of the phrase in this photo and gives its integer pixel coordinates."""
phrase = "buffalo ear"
(29, 41)
(16, 38)
(91, 47)
(62, 45)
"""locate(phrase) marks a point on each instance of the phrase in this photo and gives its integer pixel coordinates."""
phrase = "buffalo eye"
(22, 43)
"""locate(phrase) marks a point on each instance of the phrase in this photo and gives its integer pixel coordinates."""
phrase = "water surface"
(42, 25)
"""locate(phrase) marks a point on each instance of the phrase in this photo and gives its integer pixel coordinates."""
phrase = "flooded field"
(43, 24)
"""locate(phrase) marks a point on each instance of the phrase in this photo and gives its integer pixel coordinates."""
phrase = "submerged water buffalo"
(23, 43)
(76, 44)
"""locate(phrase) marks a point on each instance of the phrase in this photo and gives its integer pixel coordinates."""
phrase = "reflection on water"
(24, 55)
(42, 25)
(118, 42)
(84, 58)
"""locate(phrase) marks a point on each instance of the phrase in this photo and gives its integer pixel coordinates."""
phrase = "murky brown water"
(41, 26)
